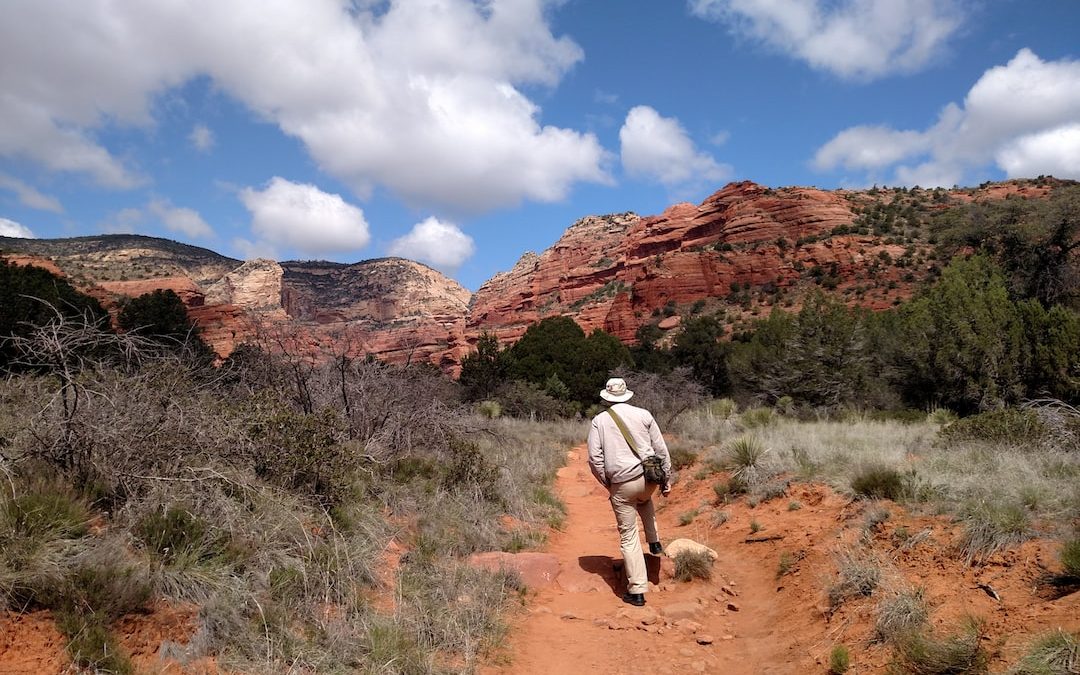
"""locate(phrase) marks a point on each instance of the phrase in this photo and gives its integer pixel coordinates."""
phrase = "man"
(618, 468)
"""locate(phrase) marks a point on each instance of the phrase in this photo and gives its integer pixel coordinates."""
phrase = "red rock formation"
(614, 272)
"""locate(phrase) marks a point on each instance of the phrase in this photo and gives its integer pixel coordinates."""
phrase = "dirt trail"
(764, 612)
(580, 625)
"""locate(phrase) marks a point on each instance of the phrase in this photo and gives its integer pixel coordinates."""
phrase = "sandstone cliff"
(743, 249)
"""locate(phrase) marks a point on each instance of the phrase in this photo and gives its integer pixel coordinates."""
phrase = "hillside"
(743, 250)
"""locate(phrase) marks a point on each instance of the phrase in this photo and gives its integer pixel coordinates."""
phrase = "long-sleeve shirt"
(610, 458)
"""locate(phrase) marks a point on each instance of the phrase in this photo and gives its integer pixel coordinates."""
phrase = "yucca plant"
(745, 458)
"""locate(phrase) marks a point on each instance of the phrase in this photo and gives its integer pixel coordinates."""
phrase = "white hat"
(615, 391)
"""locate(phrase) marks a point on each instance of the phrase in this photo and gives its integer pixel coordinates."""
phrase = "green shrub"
(1070, 557)
(471, 471)
(681, 456)
(92, 645)
(46, 511)
(941, 416)
(178, 536)
(723, 408)
(489, 409)
(876, 481)
(839, 660)
(1010, 425)
(990, 526)
(690, 565)
(1057, 653)
(758, 417)
(745, 458)
(727, 489)
(921, 653)
(687, 517)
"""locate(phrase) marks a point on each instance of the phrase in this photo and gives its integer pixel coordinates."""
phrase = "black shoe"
(635, 599)
(655, 548)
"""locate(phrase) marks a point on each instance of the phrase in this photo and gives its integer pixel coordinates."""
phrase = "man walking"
(620, 439)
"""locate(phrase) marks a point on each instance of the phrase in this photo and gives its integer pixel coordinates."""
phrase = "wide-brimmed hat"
(615, 391)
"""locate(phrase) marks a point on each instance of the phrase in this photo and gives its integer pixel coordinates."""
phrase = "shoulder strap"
(625, 432)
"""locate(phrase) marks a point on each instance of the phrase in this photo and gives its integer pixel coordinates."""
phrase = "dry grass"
(1056, 653)
(960, 653)
(901, 614)
(690, 565)
(858, 574)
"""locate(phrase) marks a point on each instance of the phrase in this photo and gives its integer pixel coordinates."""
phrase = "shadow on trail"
(611, 570)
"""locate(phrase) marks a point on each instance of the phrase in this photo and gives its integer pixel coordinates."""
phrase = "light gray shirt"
(610, 458)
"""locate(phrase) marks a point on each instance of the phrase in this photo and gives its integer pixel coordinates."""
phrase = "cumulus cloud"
(29, 196)
(1022, 117)
(184, 220)
(124, 221)
(423, 97)
(9, 228)
(854, 39)
(300, 216)
(442, 245)
(658, 148)
(202, 138)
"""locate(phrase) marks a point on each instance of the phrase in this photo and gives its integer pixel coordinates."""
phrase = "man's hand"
(665, 490)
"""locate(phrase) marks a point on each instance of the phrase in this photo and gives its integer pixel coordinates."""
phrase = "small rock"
(705, 639)
(689, 627)
(650, 616)
(680, 545)
(687, 652)
(601, 622)
(698, 666)
(732, 607)
(682, 610)
(569, 616)
(728, 637)
(542, 610)
(730, 591)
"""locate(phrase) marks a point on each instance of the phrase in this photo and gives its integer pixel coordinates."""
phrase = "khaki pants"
(630, 500)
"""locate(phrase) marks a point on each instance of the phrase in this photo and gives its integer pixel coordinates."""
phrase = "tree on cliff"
(558, 346)
(698, 347)
(482, 371)
(31, 297)
(161, 316)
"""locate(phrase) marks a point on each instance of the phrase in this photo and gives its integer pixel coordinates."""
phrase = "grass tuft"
(839, 660)
(745, 458)
(991, 526)
(1057, 653)
(1070, 557)
(901, 614)
(690, 565)
(921, 653)
(858, 575)
(876, 481)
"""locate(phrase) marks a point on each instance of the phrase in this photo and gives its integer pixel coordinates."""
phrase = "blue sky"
(464, 132)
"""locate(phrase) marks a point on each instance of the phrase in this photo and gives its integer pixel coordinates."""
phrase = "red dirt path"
(772, 624)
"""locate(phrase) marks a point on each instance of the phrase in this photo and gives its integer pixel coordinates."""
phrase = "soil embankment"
(765, 610)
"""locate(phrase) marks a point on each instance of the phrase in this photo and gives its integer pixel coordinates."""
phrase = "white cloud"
(9, 228)
(250, 250)
(1054, 152)
(855, 39)
(420, 96)
(303, 217)
(187, 221)
(124, 221)
(1023, 117)
(658, 148)
(442, 245)
(29, 196)
(202, 138)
